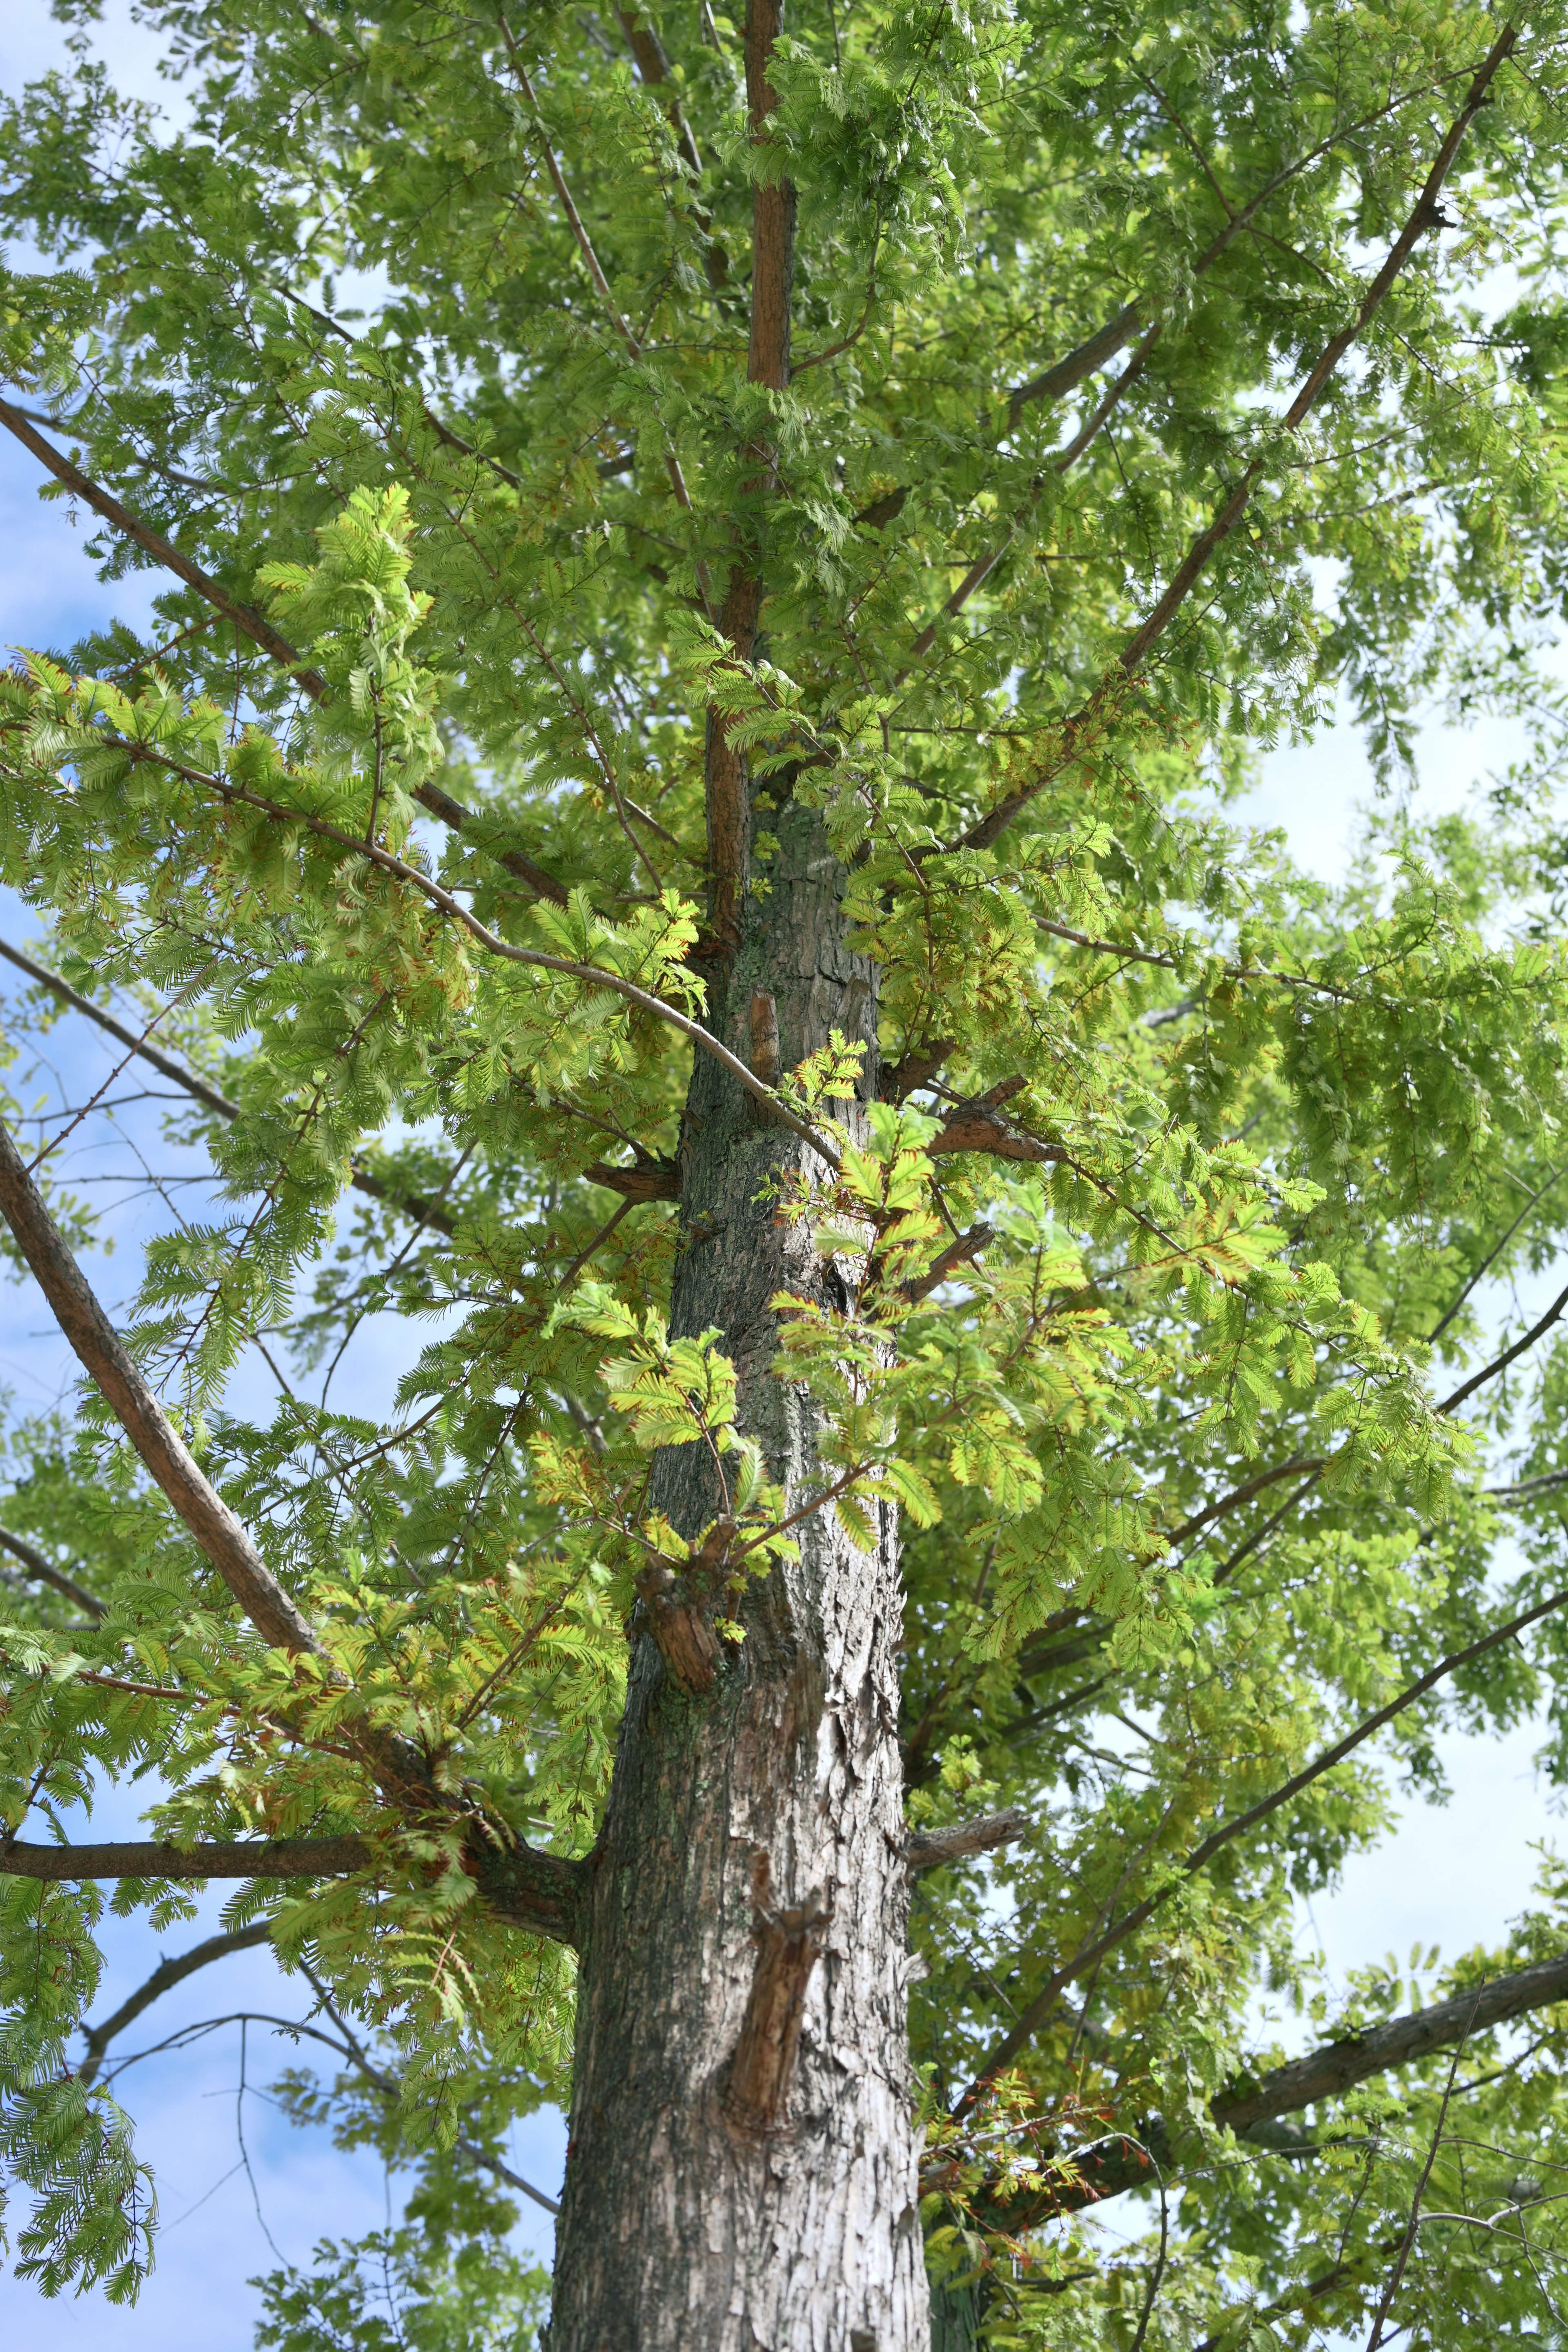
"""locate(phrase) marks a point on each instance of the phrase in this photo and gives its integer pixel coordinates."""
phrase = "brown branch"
(253, 625)
(930, 1849)
(1079, 729)
(1095, 351)
(34, 1561)
(102, 1355)
(328, 1857)
(1250, 2106)
(166, 1974)
(962, 1252)
(539, 1890)
(1090, 1954)
(1243, 1494)
(648, 1178)
(426, 1212)
(1098, 350)
(1339, 2065)
(654, 67)
(1500, 1363)
(978, 1126)
(451, 813)
(603, 1235)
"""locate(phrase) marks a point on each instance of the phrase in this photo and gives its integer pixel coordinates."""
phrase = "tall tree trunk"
(742, 2166)
(741, 2170)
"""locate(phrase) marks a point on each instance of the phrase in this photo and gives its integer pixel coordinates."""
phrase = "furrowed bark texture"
(741, 2170)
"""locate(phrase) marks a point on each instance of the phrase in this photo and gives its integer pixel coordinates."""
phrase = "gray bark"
(741, 2170)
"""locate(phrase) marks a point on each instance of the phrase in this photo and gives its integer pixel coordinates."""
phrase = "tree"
(724, 579)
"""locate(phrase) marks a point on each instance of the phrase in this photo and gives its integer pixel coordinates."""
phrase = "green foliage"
(1180, 1498)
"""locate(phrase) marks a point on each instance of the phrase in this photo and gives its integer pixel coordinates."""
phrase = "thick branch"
(1079, 728)
(1252, 2110)
(930, 1849)
(246, 618)
(1340, 2065)
(45, 1572)
(539, 1892)
(963, 1252)
(1095, 1950)
(328, 1857)
(648, 1177)
(424, 1213)
(978, 1126)
(166, 1974)
(104, 1358)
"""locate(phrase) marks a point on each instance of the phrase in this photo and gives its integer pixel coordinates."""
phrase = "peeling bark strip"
(764, 1038)
(687, 1642)
(789, 1944)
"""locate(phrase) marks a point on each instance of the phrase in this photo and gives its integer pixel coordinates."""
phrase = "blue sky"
(1450, 1877)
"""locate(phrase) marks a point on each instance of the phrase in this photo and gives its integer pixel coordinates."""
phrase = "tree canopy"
(620, 479)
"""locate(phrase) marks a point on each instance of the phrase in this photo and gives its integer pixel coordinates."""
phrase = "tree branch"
(1249, 2108)
(978, 1126)
(1500, 1363)
(166, 1974)
(962, 1252)
(1080, 726)
(595, 975)
(649, 1177)
(1089, 1954)
(252, 623)
(102, 1355)
(424, 1213)
(1491, 1258)
(538, 1891)
(654, 68)
(1339, 2065)
(34, 1561)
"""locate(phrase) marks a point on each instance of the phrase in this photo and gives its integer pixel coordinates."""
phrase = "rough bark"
(741, 2168)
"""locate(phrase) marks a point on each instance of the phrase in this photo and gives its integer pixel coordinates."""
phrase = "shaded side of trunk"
(742, 2170)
